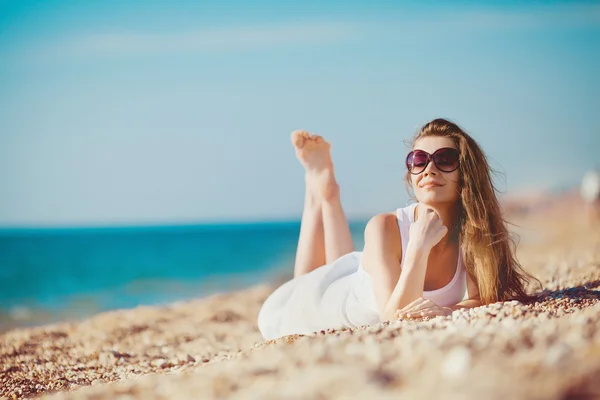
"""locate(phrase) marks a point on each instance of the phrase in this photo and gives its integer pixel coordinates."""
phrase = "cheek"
(414, 182)
(454, 181)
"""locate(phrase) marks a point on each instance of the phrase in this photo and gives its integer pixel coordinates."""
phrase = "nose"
(430, 169)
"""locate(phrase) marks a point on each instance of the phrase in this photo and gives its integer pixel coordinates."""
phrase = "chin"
(432, 198)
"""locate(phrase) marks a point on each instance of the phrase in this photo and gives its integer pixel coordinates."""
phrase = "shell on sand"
(211, 348)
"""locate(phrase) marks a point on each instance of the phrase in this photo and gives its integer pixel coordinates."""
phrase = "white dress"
(341, 294)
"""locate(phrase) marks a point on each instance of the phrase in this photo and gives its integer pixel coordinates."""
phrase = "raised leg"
(324, 232)
(338, 239)
(310, 253)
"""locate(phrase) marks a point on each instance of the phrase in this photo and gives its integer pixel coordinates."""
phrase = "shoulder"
(383, 229)
(382, 223)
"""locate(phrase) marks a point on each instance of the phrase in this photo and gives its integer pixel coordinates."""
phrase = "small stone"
(225, 316)
(160, 363)
(106, 359)
(456, 363)
(382, 377)
(375, 329)
(556, 354)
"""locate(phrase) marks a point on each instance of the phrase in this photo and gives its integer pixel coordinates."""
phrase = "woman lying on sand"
(417, 262)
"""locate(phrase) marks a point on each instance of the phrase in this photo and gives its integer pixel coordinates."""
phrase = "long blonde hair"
(488, 249)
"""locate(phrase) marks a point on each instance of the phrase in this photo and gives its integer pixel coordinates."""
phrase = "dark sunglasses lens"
(419, 161)
(409, 160)
(446, 160)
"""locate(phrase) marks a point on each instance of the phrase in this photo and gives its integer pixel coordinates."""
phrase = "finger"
(425, 314)
(407, 310)
(403, 316)
(431, 213)
(431, 313)
(427, 304)
(413, 303)
(444, 230)
(414, 315)
(440, 233)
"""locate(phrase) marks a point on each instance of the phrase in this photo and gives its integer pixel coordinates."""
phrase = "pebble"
(456, 363)
(160, 363)
(556, 354)
(106, 359)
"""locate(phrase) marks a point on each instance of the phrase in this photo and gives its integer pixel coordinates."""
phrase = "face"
(433, 186)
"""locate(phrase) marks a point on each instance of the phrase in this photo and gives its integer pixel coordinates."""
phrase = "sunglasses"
(445, 159)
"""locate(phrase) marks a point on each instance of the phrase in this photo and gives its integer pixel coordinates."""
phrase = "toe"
(299, 138)
(311, 141)
(321, 142)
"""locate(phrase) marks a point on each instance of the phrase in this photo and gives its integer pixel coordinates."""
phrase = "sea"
(49, 275)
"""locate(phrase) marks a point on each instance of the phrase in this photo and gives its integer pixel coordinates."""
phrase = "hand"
(427, 231)
(421, 308)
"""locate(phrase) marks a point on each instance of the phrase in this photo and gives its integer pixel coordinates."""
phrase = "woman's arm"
(426, 308)
(469, 303)
(382, 256)
(410, 284)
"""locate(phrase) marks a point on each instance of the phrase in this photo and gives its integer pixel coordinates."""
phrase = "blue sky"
(115, 113)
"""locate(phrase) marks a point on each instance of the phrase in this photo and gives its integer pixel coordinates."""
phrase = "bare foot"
(314, 155)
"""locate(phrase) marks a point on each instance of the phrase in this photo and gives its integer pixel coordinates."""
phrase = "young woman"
(450, 250)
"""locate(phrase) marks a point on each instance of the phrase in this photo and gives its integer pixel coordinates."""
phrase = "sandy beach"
(211, 348)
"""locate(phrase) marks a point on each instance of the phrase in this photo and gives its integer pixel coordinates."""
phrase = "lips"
(430, 185)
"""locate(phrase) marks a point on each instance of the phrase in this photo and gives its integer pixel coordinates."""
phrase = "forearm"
(410, 284)
(470, 303)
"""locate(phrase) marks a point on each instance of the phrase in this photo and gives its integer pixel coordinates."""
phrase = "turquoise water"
(62, 273)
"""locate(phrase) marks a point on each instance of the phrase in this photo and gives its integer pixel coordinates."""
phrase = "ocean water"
(48, 275)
